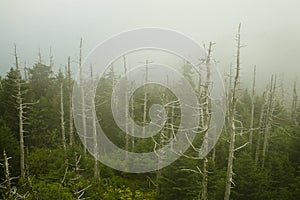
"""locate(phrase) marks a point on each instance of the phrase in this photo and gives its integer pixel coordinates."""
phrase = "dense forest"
(257, 155)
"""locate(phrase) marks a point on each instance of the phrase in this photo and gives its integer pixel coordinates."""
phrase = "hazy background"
(270, 29)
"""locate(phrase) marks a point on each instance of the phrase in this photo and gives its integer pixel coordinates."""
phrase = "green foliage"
(8, 106)
(46, 164)
(51, 176)
(9, 143)
(50, 191)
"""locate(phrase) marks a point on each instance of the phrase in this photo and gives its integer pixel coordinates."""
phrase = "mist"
(270, 30)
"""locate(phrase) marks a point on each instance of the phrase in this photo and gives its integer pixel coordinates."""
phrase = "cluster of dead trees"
(267, 114)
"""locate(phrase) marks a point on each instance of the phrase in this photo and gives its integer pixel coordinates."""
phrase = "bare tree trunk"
(160, 146)
(145, 99)
(78, 192)
(261, 128)
(232, 126)
(295, 105)
(21, 130)
(83, 108)
(206, 121)
(7, 175)
(269, 114)
(96, 163)
(20, 107)
(252, 108)
(62, 122)
(71, 132)
(126, 112)
(9, 192)
(132, 126)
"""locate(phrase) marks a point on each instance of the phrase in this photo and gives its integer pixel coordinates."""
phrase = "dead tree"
(62, 121)
(232, 120)
(204, 106)
(71, 132)
(78, 191)
(260, 127)
(160, 143)
(295, 105)
(269, 118)
(126, 111)
(205, 122)
(165, 137)
(145, 99)
(132, 126)
(20, 107)
(9, 191)
(83, 107)
(95, 140)
(252, 108)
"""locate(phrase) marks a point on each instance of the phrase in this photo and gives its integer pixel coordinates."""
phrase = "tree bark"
(252, 108)
(269, 119)
(295, 105)
(62, 122)
(261, 128)
(132, 126)
(126, 112)
(20, 107)
(71, 132)
(145, 99)
(95, 139)
(205, 124)
(7, 175)
(232, 126)
(83, 108)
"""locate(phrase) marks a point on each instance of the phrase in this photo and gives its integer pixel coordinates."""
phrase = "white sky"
(270, 29)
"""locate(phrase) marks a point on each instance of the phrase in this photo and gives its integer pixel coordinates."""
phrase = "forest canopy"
(42, 157)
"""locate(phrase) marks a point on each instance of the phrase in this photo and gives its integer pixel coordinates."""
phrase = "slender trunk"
(62, 122)
(126, 112)
(6, 173)
(95, 139)
(268, 120)
(20, 107)
(261, 128)
(132, 126)
(206, 121)
(160, 146)
(96, 163)
(172, 134)
(232, 126)
(71, 132)
(252, 109)
(21, 131)
(145, 99)
(83, 108)
(295, 106)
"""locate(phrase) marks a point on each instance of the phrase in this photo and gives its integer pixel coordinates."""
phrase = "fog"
(270, 30)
